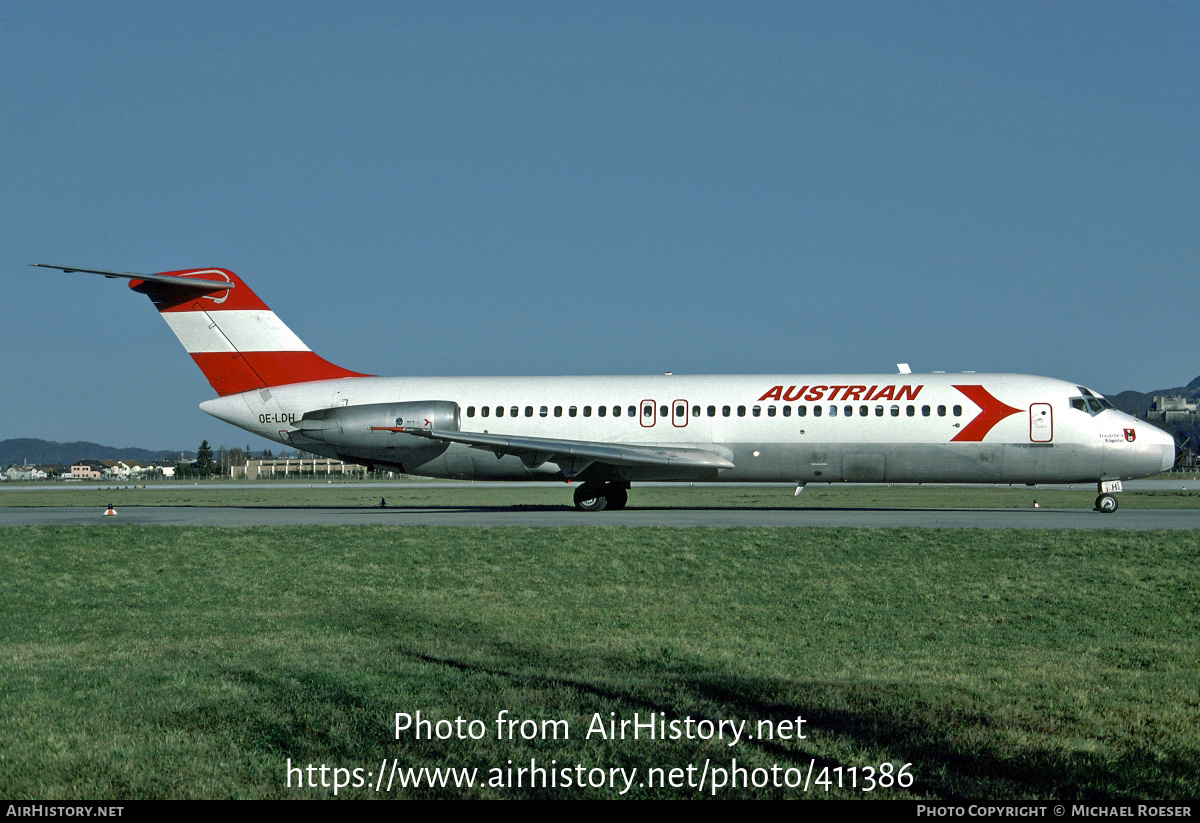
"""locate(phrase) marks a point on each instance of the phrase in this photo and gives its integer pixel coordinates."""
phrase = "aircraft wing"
(573, 456)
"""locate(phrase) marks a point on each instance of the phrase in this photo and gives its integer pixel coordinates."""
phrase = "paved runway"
(1131, 519)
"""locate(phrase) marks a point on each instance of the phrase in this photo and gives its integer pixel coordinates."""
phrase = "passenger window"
(558, 411)
(895, 411)
(695, 411)
(725, 410)
(587, 411)
(647, 411)
(925, 411)
(616, 411)
(816, 411)
(770, 411)
(863, 411)
(514, 412)
(529, 411)
(756, 411)
(712, 411)
(572, 411)
(543, 411)
(848, 411)
(958, 411)
(879, 411)
(941, 411)
(741, 411)
(787, 411)
(470, 411)
(485, 411)
(802, 411)
(680, 412)
(602, 410)
(833, 411)
(911, 411)
(633, 411)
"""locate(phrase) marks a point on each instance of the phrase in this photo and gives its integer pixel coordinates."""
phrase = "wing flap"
(535, 451)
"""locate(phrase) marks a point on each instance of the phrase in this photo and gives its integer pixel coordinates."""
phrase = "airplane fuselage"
(984, 428)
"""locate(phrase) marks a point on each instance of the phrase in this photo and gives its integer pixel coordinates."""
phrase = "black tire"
(590, 499)
(1106, 503)
(617, 496)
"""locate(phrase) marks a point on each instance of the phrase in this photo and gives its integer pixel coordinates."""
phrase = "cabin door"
(1041, 423)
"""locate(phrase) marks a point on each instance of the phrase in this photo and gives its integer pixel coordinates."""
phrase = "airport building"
(296, 467)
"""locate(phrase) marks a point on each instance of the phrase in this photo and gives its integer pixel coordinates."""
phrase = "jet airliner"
(604, 433)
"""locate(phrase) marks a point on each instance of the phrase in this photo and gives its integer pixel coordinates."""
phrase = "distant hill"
(1137, 403)
(24, 450)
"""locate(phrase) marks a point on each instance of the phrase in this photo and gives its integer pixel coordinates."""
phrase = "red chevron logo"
(991, 412)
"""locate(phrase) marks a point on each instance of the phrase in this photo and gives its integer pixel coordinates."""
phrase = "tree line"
(209, 463)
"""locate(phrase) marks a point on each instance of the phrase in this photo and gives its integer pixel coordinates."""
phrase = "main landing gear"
(594, 497)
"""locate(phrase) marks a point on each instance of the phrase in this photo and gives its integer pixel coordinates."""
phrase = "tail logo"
(225, 294)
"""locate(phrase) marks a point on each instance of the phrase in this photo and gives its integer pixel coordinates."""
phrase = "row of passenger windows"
(681, 411)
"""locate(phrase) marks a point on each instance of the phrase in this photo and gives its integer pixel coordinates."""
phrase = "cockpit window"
(1090, 402)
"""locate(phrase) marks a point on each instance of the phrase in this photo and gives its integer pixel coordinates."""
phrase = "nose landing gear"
(1107, 501)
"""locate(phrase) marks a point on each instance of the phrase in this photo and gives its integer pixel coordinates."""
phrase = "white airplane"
(606, 432)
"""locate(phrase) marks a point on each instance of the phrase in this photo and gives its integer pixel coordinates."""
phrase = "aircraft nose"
(1167, 442)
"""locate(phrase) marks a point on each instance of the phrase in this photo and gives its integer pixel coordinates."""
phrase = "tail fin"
(238, 342)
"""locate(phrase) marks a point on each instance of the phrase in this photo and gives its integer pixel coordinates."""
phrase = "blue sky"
(597, 188)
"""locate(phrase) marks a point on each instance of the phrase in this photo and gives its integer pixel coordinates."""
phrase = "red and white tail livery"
(239, 343)
(607, 432)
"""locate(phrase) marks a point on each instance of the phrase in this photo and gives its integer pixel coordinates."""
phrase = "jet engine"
(379, 425)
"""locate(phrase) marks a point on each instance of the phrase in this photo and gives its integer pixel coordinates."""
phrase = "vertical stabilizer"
(235, 339)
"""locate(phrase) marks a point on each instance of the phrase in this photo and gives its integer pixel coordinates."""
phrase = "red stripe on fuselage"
(991, 412)
(236, 372)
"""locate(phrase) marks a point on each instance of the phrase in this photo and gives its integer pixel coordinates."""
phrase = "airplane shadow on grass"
(449, 669)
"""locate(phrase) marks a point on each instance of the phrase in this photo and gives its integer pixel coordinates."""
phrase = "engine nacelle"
(374, 425)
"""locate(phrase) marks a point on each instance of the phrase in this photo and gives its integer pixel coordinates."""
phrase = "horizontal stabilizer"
(165, 279)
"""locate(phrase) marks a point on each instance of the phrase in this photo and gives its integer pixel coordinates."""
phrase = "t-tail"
(239, 343)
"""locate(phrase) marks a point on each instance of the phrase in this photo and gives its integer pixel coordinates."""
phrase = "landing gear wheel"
(617, 496)
(590, 498)
(1106, 503)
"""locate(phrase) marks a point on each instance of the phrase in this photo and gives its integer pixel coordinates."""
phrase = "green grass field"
(179, 662)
